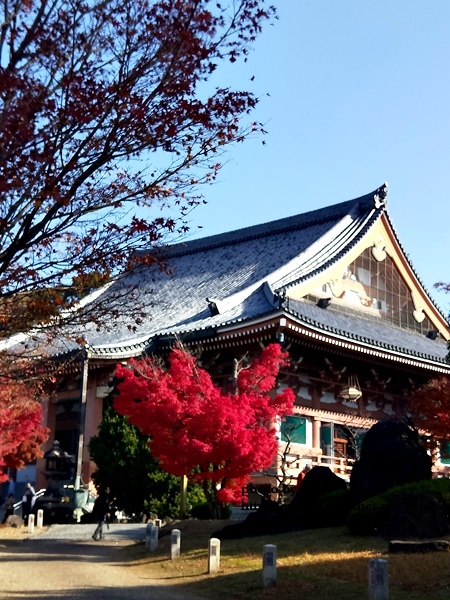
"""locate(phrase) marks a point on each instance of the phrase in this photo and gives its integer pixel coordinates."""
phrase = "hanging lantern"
(352, 392)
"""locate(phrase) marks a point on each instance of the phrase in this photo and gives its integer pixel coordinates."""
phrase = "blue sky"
(353, 94)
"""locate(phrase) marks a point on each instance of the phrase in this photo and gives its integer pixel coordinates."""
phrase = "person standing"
(28, 500)
(9, 507)
(101, 512)
(302, 475)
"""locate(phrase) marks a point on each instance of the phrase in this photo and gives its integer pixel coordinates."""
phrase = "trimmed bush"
(416, 516)
(370, 516)
(366, 517)
(332, 509)
(391, 455)
(438, 488)
(318, 482)
(202, 511)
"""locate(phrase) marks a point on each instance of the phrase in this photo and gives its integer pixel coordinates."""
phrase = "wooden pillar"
(316, 394)
(316, 433)
(82, 423)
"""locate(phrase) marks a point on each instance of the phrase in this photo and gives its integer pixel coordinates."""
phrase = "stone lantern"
(59, 467)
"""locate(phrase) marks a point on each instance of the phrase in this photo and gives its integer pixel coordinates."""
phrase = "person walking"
(28, 500)
(101, 512)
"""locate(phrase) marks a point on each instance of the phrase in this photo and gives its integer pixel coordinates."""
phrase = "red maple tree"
(199, 430)
(109, 123)
(431, 408)
(21, 430)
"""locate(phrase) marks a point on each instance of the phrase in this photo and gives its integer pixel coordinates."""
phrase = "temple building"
(333, 286)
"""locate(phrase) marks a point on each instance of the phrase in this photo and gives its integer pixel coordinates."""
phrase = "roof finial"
(379, 196)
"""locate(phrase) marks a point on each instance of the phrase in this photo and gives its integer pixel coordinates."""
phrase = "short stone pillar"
(378, 579)
(40, 518)
(269, 565)
(154, 537)
(151, 537)
(30, 523)
(213, 555)
(148, 531)
(175, 544)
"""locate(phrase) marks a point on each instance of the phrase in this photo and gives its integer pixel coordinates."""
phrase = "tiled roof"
(236, 273)
(377, 332)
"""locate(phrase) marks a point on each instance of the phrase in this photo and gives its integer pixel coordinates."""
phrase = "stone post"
(378, 579)
(30, 523)
(148, 530)
(151, 537)
(269, 565)
(213, 556)
(154, 537)
(40, 518)
(175, 544)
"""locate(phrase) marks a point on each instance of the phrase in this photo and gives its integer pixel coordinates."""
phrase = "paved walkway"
(117, 532)
(64, 562)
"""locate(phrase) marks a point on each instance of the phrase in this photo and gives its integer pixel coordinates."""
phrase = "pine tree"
(125, 464)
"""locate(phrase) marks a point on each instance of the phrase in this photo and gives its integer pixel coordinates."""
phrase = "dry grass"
(317, 564)
(321, 564)
(13, 535)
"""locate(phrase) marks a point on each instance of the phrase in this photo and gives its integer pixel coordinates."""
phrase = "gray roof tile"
(377, 332)
(234, 269)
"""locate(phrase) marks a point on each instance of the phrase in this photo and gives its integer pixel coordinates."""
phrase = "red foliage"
(21, 431)
(199, 430)
(431, 408)
(104, 113)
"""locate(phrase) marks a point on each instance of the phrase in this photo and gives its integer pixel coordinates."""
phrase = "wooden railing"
(340, 465)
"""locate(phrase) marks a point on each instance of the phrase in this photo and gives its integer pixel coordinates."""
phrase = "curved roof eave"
(294, 322)
(118, 352)
(367, 346)
(362, 214)
(374, 199)
(317, 331)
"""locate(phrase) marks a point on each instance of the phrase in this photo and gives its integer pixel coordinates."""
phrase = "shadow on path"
(52, 568)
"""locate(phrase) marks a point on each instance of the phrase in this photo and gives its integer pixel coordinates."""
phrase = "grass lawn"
(318, 564)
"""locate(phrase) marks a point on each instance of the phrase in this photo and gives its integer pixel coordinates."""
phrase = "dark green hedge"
(331, 509)
(368, 517)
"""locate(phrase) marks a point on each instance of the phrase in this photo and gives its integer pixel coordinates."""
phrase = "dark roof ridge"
(375, 199)
(363, 228)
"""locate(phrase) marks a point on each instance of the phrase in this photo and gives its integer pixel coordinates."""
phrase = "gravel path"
(64, 562)
(117, 532)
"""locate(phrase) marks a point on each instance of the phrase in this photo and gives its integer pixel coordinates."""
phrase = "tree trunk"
(215, 507)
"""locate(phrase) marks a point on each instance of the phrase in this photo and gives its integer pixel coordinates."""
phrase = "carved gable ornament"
(378, 250)
(374, 283)
(374, 277)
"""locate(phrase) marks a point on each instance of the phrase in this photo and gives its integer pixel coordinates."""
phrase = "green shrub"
(332, 509)
(202, 510)
(439, 488)
(368, 517)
